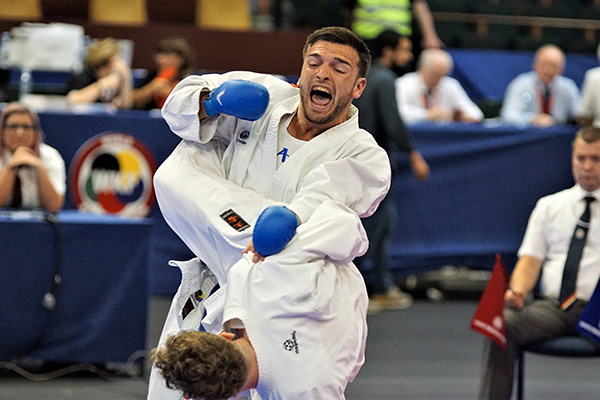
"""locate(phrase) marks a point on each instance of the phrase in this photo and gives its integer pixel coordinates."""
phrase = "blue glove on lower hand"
(242, 99)
(274, 228)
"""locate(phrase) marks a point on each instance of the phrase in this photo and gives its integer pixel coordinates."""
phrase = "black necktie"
(567, 289)
(546, 99)
(16, 195)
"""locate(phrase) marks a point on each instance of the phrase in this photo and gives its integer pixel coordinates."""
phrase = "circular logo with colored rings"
(112, 173)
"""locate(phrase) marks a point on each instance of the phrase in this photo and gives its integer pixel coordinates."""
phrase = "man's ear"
(359, 87)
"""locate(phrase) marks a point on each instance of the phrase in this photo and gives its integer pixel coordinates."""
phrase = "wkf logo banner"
(112, 173)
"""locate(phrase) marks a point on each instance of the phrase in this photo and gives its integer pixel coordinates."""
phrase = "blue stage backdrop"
(69, 132)
(485, 74)
(485, 180)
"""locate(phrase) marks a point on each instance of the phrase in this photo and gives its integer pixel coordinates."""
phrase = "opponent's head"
(202, 365)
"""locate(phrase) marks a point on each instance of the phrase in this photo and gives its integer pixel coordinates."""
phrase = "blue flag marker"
(589, 322)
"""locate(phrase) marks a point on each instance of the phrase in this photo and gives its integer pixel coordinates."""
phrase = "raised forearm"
(50, 199)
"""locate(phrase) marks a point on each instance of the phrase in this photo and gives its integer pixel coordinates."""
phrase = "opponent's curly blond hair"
(201, 365)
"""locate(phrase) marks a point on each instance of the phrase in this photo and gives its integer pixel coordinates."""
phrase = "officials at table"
(542, 97)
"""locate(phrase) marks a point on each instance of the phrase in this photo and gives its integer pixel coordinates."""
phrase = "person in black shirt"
(378, 114)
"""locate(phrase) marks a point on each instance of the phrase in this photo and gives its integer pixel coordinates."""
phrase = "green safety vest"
(371, 17)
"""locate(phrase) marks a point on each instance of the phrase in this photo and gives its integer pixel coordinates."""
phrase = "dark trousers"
(538, 320)
(378, 228)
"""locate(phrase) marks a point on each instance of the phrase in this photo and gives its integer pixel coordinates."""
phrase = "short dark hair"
(387, 38)
(589, 134)
(340, 35)
(201, 365)
(179, 46)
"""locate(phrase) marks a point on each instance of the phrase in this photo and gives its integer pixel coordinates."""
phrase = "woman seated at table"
(173, 59)
(105, 78)
(32, 174)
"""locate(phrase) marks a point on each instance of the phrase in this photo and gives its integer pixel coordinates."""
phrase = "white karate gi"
(304, 309)
(230, 164)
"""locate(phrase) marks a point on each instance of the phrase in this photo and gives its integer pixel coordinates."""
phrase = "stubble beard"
(334, 114)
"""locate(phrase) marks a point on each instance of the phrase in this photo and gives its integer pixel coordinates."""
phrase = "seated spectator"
(558, 225)
(173, 59)
(430, 94)
(105, 78)
(589, 110)
(543, 96)
(32, 174)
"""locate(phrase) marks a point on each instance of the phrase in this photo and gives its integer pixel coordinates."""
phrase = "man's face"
(329, 82)
(586, 164)
(402, 54)
(548, 64)
(434, 73)
(18, 130)
(166, 60)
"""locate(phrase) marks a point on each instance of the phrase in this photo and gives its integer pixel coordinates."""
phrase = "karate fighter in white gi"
(281, 174)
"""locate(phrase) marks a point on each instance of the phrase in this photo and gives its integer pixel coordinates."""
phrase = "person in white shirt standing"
(429, 94)
(589, 109)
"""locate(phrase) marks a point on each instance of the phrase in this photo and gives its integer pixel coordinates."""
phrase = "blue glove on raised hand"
(274, 228)
(242, 99)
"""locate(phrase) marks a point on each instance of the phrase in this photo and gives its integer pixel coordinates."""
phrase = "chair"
(556, 9)
(451, 33)
(458, 6)
(181, 12)
(223, 14)
(22, 10)
(496, 8)
(64, 10)
(565, 346)
(121, 12)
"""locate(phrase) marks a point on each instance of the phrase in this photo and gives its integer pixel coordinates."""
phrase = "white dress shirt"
(522, 99)
(590, 96)
(55, 168)
(449, 95)
(548, 237)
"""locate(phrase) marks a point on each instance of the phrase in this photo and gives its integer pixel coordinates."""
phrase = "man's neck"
(248, 351)
(385, 62)
(303, 129)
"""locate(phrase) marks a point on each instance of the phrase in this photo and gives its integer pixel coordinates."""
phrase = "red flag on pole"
(489, 316)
